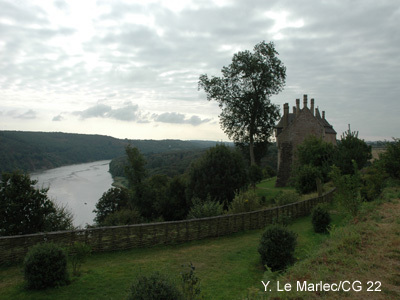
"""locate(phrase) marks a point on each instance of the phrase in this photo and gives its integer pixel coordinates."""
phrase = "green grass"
(227, 267)
(366, 247)
(267, 189)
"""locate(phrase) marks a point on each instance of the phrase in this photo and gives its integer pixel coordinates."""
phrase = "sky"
(130, 69)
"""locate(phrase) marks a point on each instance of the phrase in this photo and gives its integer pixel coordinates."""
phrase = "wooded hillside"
(32, 151)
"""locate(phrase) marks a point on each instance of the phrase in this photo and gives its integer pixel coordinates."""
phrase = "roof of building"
(292, 116)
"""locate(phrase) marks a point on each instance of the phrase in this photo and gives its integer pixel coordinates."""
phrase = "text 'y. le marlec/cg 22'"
(293, 129)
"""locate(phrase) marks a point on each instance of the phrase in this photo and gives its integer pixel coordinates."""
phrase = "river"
(78, 187)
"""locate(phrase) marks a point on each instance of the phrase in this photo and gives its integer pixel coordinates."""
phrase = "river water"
(78, 187)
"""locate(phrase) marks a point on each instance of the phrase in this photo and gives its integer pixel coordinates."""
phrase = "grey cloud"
(177, 118)
(129, 112)
(170, 118)
(22, 12)
(58, 118)
(98, 110)
(30, 114)
(61, 5)
(196, 120)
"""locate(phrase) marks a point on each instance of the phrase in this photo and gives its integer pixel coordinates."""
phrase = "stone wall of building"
(293, 129)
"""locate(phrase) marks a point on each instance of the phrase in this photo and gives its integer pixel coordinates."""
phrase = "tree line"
(31, 151)
(208, 186)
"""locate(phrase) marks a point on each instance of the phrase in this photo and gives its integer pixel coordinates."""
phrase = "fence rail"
(14, 248)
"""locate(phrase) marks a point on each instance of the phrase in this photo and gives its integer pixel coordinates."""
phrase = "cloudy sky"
(130, 69)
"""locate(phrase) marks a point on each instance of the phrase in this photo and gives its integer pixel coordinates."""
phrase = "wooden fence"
(14, 248)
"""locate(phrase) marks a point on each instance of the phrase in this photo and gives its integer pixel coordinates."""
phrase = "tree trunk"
(251, 147)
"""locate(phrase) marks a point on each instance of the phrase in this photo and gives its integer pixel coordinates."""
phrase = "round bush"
(305, 179)
(287, 198)
(245, 202)
(277, 247)
(153, 287)
(204, 209)
(45, 265)
(320, 219)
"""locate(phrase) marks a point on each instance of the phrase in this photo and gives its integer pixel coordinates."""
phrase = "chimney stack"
(285, 115)
(297, 106)
(304, 101)
(294, 109)
(323, 115)
(312, 106)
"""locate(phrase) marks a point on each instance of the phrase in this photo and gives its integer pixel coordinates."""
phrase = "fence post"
(198, 229)
(187, 231)
(141, 235)
(166, 233)
(128, 237)
(99, 239)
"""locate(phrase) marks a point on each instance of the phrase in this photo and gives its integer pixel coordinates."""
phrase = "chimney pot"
(294, 109)
(312, 106)
(304, 101)
(323, 115)
(285, 115)
(297, 106)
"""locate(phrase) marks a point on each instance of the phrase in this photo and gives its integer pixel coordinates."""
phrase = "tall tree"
(25, 209)
(350, 148)
(135, 170)
(113, 199)
(243, 93)
(218, 174)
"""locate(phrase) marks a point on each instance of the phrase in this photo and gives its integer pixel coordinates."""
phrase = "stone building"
(293, 128)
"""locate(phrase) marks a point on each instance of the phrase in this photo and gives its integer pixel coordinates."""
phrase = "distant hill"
(32, 151)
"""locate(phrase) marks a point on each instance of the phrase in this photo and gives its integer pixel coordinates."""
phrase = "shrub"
(244, 202)
(153, 287)
(277, 247)
(255, 175)
(269, 172)
(350, 148)
(284, 198)
(348, 188)
(45, 265)
(317, 153)
(78, 254)
(112, 200)
(123, 217)
(320, 219)
(204, 209)
(373, 181)
(220, 173)
(305, 179)
(390, 159)
(190, 283)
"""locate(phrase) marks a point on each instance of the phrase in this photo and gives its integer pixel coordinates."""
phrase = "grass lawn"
(267, 189)
(227, 267)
